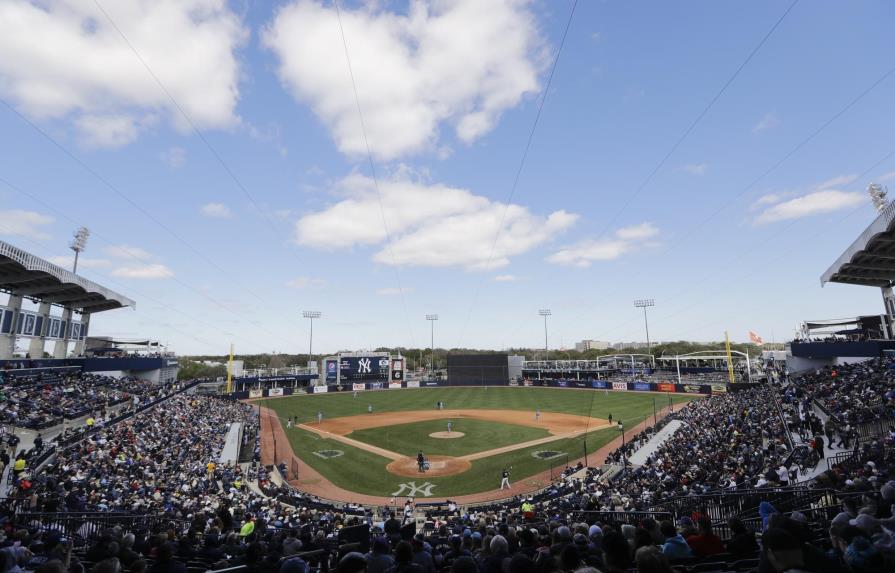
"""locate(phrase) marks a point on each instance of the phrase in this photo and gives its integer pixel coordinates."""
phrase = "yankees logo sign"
(364, 366)
(413, 490)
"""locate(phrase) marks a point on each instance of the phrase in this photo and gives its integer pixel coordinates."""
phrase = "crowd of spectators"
(163, 461)
(45, 401)
(851, 393)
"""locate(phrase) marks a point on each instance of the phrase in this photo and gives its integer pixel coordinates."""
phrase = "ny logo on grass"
(413, 490)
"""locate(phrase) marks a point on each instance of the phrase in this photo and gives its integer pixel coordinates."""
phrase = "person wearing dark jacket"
(742, 541)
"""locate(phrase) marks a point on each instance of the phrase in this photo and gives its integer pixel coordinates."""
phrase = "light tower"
(432, 318)
(545, 312)
(78, 244)
(644, 303)
(311, 315)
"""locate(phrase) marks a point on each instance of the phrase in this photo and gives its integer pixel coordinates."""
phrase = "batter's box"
(547, 454)
(329, 454)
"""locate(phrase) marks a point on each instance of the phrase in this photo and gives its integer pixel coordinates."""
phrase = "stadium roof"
(24, 274)
(870, 260)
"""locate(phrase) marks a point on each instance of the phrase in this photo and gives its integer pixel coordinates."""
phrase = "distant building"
(586, 345)
(629, 345)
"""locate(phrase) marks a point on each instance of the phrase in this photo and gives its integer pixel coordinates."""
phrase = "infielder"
(369, 408)
(537, 415)
(319, 417)
(450, 425)
(505, 478)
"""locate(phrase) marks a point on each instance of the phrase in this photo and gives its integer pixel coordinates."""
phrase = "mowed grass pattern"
(364, 472)
(479, 435)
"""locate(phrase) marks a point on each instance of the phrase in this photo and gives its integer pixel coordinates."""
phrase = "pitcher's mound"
(446, 435)
(438, 466)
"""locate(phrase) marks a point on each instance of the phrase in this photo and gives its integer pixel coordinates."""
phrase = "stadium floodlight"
(311, 314)
(545, 312)
(645, 303)
(878, 196)
(78, 244)
(432, 318)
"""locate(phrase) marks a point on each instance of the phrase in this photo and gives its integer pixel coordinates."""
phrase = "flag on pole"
(755, 338)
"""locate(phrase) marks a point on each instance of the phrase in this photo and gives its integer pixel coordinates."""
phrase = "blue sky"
(732, 232)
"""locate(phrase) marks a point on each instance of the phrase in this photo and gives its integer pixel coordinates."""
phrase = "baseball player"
(319, 417)
(537, 415)
(355, 393)
(505, 478)
(369, 408)
(421, 461)
(450, 425)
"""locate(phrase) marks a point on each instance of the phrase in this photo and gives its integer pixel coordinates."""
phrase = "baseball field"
(364, 447)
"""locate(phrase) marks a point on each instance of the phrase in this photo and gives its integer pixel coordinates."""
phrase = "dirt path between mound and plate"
(313, 483)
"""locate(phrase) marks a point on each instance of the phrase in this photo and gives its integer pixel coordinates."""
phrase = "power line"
(363, 126)
(188, 119)
(522, 159)
(696, 121)
(126, 252)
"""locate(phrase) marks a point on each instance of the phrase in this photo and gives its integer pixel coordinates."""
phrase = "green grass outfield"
(364, 472)
(480, 435)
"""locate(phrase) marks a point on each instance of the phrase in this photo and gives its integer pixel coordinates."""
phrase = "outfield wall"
(635, 386)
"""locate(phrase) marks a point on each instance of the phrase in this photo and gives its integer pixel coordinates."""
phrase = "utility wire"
(698, 119)
(189, 120)
(372, 166)
(125, 251)
(531, 134)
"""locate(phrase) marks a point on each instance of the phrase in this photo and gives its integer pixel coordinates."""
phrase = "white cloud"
(505, 278)
(886, 176)
(147, 271)
(446, 61)
(768, 121)
(306, 282)
(62, 59)
(216, 211)
(28, 224)
(66, 262)
(174, 157)
(811, 204)
(431, 225)
(128, 252)
(823, 197)
(393, 291)
(626, 240)
(695, 169)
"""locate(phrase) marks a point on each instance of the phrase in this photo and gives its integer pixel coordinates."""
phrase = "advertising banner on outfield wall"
(320, 389)
(332, 370)
(394, 385)
(413, 384)
(642, 386)
(619, 385)
(665, 387)
(375, 385)
(599, 384)
(275, 392)
(562, 383)
(693, 388)
(256, 393)
(719, 388)
(358, 387)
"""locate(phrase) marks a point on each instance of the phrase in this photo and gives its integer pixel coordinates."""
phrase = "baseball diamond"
(491, 429)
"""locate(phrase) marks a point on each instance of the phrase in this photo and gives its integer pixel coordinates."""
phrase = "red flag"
(755, 338)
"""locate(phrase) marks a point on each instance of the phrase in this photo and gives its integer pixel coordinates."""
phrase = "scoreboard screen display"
(363, 368)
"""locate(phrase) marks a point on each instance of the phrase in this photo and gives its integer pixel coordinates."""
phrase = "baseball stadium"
(446, 286)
